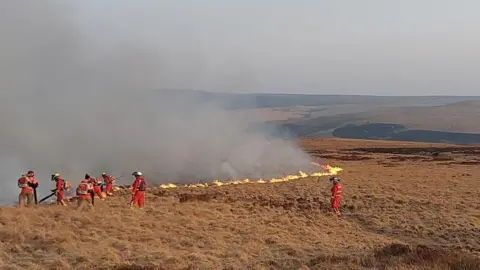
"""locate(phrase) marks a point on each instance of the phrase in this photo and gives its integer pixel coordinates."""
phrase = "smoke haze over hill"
(70, 105)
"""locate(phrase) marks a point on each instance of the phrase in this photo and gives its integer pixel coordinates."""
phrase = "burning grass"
(415, 215)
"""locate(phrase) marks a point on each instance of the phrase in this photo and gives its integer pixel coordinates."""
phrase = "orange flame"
(327, 171)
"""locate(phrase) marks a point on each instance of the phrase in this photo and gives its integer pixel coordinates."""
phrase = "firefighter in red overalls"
(60, 187)
(84, 194)
(109, 180)
(96, 186)
(138, 190)
(336, 195)
(27, 183)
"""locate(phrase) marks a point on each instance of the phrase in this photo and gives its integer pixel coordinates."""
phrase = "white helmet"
(137, 173)
(334, 179)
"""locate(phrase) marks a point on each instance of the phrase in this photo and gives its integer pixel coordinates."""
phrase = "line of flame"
(328, 171)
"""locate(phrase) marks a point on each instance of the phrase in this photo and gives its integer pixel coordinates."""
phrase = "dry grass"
(410, 213)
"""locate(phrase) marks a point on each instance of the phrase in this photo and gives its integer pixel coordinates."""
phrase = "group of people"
(91, 186)
(86, 190)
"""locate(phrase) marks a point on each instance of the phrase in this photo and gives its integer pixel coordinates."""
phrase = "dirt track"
(409, 210)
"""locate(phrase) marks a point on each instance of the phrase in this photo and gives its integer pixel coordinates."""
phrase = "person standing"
(138, 190)
(336, 195)
(27, 184)
(59, 188)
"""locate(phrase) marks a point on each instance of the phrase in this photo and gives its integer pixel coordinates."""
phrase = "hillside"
(383, 131)
(450, 123)
(260, 100)
(455, 117)
(423, 119)
(406, 205)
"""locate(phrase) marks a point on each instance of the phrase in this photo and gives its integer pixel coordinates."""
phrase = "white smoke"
(69, 105)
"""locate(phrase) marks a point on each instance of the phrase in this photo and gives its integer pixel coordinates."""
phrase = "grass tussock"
(425, 256)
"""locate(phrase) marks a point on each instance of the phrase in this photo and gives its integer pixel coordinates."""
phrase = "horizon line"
(309, 94)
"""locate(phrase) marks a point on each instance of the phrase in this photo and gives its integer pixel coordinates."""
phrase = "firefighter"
(96, 186)
(84, 194)
(138, 190)
(109, 180)
(27, 184)
(336, 195)
(60, 187)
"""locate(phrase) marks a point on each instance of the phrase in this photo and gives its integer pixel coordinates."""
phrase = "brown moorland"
(454, 117)
(276, 113)
(405, 205)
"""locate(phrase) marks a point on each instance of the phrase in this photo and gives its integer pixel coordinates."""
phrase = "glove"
(35, 185)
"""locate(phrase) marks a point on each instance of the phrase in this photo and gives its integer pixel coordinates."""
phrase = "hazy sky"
(350, 47)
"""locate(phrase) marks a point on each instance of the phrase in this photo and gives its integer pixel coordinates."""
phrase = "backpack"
(66, 185)
(83, 188)
(143, 185)
(23, 182)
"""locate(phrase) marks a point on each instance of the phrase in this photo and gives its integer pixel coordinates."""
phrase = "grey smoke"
(69, 105)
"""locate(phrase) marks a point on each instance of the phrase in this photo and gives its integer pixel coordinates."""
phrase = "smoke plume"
(73, 102)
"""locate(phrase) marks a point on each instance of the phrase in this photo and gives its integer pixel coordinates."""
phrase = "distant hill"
(383, 131)
(455, 117)
(259, 100)
(424, 119)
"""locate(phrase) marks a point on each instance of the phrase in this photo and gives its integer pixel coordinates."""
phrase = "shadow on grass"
(400, 255)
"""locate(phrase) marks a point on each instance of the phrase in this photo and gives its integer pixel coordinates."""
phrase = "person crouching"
(96, 186)
(109, 180)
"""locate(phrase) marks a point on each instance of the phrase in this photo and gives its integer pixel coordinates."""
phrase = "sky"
(307, 46)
